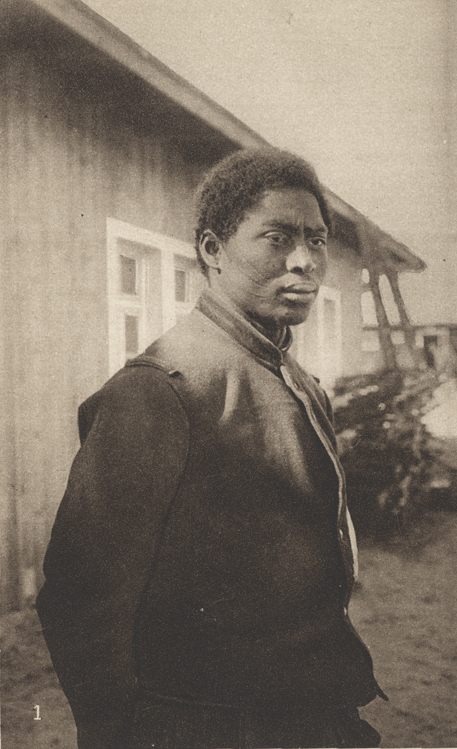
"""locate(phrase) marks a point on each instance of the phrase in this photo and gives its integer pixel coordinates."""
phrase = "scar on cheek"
(249, 270)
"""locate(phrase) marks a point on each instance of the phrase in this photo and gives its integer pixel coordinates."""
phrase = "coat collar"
(221, 310)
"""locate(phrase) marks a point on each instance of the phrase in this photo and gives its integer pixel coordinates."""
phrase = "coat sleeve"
(101, 553)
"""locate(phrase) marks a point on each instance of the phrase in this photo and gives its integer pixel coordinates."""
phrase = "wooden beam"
(371, 262)
(387, 347)
(410, 336)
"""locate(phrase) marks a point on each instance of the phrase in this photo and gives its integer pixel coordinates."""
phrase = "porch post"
(388, 348)
(408, 329)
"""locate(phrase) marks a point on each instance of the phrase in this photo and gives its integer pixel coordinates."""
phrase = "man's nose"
(300, 260)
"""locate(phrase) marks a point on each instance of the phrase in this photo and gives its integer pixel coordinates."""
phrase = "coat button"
(341, 533)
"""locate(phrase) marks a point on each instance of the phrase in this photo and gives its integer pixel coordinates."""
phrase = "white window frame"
(333, 295)
(167, 247)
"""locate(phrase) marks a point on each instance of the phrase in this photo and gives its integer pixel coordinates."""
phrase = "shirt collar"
(223, 312)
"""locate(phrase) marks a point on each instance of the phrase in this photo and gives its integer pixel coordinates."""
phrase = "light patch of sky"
(356, 86)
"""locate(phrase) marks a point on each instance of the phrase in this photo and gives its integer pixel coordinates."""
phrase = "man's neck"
(275, 333)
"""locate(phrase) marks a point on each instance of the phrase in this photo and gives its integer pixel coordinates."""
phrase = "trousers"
(165, 723)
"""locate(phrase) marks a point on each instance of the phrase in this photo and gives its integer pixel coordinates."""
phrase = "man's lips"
(297, 289)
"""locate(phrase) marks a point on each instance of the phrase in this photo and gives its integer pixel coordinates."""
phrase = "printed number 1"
(37, 716)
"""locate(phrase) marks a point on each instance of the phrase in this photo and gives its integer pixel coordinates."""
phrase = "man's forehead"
(288, 205)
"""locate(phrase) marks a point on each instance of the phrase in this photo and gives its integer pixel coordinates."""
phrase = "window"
(318, 343)
(128, 275)
(152, 281)
(329, 335)
(181, 284)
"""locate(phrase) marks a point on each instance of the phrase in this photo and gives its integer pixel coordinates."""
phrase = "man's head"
(261, 234)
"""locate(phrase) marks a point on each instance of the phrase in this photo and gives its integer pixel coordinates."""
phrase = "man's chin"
(294, 308)
(295, 316)
(294, 321)
(280, 317)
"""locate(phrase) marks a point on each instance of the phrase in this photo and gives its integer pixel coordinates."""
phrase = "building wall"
(72, 157)
(444, 350)
(344, 274)
(83, 142)
(345, 270)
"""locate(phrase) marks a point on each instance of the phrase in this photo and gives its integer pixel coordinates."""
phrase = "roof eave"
(107, 38)
(394, 254)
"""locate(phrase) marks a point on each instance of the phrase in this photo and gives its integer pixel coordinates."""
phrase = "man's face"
(274, 264)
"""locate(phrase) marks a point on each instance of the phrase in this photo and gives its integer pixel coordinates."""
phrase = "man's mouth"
(299, 291)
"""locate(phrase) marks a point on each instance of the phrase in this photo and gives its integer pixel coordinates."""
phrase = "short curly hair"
(237, 184)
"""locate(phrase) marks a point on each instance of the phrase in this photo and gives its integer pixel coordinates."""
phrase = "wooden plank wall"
(71, 159)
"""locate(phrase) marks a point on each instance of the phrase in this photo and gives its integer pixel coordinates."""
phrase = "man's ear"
(210, 249)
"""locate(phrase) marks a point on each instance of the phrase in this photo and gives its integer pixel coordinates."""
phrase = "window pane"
(131, 335)
(128, 275)
(180, 285)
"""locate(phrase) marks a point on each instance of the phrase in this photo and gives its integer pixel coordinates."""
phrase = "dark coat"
(202, 549)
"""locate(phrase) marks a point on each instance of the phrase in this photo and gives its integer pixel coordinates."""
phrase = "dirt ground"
(405, 609)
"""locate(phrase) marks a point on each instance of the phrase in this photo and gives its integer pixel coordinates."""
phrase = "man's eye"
(278, 239)
(319, 242)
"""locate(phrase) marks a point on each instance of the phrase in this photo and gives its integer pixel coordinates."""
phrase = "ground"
(405, 609)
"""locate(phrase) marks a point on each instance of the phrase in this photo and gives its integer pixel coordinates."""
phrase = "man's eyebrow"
(317, 230)
(293, 228)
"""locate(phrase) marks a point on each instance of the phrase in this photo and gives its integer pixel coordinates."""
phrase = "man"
(202, 559)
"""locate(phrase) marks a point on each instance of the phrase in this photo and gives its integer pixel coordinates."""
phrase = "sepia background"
(111, 112)
(367, 91)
